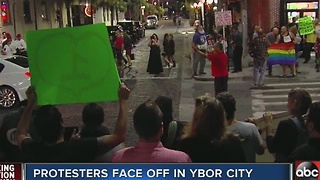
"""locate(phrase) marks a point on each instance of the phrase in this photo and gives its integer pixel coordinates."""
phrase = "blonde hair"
(208, 121)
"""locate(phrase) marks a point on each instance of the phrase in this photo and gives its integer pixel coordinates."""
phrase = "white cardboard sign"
(223, 18)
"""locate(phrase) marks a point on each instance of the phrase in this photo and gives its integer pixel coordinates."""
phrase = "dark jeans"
(307, 51)
(120, 57)
(269, 69)
(220, 84)
(237, 58)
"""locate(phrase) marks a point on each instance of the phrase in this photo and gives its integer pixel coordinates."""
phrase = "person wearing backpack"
(291, 133)
(172, 130)
(310, 150)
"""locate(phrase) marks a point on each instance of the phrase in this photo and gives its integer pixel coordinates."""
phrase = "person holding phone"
(154, 63)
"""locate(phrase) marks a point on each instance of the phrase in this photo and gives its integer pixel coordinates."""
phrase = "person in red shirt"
(219, 67)
(119, 46)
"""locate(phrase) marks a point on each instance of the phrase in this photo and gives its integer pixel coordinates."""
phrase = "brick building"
(267, 13)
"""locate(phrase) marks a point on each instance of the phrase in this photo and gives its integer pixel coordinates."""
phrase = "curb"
(197, 78)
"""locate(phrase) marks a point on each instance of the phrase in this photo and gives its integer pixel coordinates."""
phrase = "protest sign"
(223, 18)
(72, 65)
(306, 25)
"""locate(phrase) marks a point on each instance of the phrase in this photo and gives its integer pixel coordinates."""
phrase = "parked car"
(140, 29)
(152, 21)
(129, 27)
(112, 31)
(14, 80)
(165, 17)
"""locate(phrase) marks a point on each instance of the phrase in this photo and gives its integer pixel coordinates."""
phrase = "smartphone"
(68, 132)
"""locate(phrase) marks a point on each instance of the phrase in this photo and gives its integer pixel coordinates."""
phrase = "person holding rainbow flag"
(283, 51)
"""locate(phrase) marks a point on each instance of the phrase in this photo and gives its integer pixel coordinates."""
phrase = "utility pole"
(244, 20)
(35, 15)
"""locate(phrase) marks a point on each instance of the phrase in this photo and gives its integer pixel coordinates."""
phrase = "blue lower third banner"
(158, 171)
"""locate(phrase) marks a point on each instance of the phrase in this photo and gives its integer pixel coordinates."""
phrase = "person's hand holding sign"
(31, 96)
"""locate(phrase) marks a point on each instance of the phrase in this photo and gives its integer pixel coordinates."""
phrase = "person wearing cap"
(21, 44)
(199, 42)
(6, 49)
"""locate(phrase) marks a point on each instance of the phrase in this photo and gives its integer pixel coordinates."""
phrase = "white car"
(165, 17)
(152, 22)
(14, 80)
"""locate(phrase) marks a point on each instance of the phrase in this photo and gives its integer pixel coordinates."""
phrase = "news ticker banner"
(298, 171)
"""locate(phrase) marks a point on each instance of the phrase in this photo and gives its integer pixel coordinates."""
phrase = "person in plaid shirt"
(261, 45)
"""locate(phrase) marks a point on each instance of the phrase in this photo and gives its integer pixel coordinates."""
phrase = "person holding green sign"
(310, 41)
(49, 125)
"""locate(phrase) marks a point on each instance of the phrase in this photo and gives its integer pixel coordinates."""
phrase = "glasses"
(304, 117)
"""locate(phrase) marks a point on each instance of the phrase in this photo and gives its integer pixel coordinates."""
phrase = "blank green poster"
(72, 65)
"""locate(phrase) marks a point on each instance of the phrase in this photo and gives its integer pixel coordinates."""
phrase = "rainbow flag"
(282, 53)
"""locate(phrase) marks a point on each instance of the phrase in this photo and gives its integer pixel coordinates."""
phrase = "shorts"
(128, 51)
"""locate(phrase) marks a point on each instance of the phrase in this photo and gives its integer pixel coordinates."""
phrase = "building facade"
(21, 16)
(269, 13)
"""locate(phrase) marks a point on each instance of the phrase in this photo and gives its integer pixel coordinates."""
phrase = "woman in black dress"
(154, 63)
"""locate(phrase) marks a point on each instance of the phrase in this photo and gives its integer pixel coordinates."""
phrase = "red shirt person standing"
(219, 67)
(119, 46)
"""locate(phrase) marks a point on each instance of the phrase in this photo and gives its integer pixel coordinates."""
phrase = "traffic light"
(4, 12)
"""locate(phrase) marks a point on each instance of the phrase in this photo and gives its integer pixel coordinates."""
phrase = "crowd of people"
(214, 134)
(122, 44)
(259, 45)
(10, 47)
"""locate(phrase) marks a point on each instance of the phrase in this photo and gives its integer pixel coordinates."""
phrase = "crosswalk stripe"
(262, 96)
(281, 90)
(264, 100)
(293, 84)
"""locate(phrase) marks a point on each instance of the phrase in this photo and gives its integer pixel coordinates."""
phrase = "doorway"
(298, 9)
(300, 14)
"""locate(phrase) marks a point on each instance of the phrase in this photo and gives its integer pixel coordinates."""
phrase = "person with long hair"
(288, 131)
(206, 139)
(171, 50)
(172, 130)
(154, 63)
(166, 50)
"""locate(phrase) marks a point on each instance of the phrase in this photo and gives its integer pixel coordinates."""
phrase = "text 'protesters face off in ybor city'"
(307, 170)
(10, 172)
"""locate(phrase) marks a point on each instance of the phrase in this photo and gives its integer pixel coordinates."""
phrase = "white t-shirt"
(14, 46)
(21, 44)
(7, 50)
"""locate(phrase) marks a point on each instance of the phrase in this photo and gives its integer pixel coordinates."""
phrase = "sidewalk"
(308, 72)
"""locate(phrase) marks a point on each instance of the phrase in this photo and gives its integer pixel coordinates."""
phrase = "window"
(5, 12)
(20, 61)
(26, 11)
(44, 13)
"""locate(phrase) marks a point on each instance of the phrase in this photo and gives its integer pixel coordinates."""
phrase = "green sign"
(306, 25)
(72, 65)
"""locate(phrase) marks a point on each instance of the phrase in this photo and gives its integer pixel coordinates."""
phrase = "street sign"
(223, 18)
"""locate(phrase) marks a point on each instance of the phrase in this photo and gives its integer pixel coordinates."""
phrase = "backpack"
(172, 133)
(302, 139)
(302, 132)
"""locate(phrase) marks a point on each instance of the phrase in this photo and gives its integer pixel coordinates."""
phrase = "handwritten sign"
(72, 65)
(223, 18)
(306, 25)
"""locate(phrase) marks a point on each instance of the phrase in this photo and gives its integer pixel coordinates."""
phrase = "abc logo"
(307, 171)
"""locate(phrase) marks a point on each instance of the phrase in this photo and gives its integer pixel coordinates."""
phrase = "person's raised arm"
(108, 142)
(24, 123)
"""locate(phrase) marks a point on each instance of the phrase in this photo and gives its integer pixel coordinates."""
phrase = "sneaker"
(201, 73)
